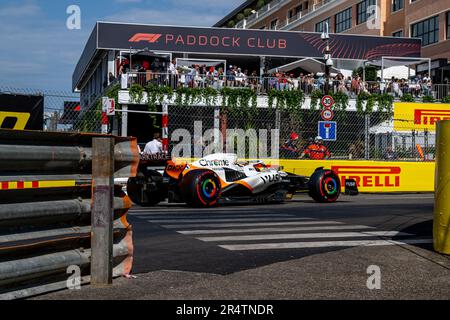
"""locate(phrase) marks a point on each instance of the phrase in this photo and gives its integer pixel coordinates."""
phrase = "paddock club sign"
(250, 42)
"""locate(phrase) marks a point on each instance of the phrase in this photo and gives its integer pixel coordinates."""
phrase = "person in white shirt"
(173, 74)
(155, 146)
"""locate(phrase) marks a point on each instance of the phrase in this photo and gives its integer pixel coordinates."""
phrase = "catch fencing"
(46, 220)
(359, 136)
(62, 110)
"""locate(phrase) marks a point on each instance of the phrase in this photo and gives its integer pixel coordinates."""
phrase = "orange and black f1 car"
(221, 178)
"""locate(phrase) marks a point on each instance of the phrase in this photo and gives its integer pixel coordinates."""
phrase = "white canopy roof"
(308, 64)
(382, 128)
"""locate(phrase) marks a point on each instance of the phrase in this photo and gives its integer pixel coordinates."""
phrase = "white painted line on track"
(395, 198)
(177, 211)
(255, 224)
(304, 236)
(322, 244)
(210, 219)
(209, 216)
(226, 231)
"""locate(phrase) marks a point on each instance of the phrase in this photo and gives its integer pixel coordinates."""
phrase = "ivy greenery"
(290, 100)
(445, 99)
(316, 96)
(407, 98)
(384, 102)
(340, 100)
(92, 117)
(239, 100)
(428, 99)
(136, 92)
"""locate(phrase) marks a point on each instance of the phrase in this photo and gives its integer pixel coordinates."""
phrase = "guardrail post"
(102, 211)
(441, 221)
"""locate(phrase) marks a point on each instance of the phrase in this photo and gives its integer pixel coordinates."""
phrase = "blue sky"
(39, 52)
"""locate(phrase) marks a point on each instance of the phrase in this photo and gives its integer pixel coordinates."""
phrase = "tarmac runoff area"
(298, 250)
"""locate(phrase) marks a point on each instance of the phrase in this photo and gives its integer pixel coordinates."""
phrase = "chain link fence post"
(367, 136)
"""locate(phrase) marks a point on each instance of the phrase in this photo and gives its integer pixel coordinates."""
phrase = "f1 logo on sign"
(328, 130)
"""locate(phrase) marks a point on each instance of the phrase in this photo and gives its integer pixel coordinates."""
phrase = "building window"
(397, 5)
(273, 24)
(398, 33)
(343, 20)
(448, 25)
(290, 13)
(298, 9)
(428, 30)
(320, 27)
(362, 9)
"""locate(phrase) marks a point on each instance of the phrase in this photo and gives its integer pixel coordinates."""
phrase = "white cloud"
(36, 51)
(178, 12)
(39, 52)
(29, 9)
(128, 1)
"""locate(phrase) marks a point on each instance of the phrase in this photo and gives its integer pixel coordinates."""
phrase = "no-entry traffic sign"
(327, 114)
(327, 101)
(327, 130)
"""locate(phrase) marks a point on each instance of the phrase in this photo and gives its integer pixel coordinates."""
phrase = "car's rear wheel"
(324, 186)
(201, 188)
(146, 189)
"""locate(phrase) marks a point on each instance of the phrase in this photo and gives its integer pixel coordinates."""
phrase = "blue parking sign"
(328, 130)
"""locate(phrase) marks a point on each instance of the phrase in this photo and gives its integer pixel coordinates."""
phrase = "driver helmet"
(294, 136)
(318, 139)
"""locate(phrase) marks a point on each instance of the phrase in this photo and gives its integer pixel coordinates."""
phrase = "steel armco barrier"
(45, 210)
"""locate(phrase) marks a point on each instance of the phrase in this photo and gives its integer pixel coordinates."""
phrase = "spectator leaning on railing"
(202, 76)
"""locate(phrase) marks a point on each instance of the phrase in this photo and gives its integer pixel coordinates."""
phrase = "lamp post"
(327, 57)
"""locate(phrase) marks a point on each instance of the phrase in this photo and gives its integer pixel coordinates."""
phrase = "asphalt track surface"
(230, 239)
(297, 250)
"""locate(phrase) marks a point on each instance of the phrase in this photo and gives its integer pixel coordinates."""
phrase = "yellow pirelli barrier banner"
(372, 176)
(419, 116)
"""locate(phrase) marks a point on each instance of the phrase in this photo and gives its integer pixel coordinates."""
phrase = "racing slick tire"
(141, 196)
(201, 188)
(324, 186)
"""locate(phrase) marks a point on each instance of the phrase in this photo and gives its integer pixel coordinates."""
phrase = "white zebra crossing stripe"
(225, 231)
(254, 224)
(167, 217)
(322, 244)
(223, 220)
(305, 236)
(260, 227)
(162, 212)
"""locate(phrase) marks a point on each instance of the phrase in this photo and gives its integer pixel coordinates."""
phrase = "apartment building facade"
(425, 19)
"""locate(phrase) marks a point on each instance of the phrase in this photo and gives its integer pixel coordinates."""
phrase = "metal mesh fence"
(370, 136)
(358, 136)
(187, 128)
(62, 110)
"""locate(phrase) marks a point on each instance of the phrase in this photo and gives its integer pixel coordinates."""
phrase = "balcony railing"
(261, 13)
(275, 5)
(262, 85)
